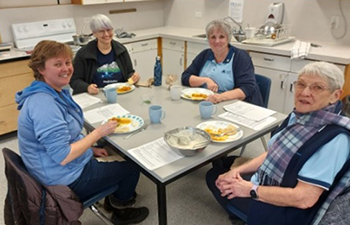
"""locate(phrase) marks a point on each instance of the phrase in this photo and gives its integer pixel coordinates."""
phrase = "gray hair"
(328, 71)
(220, 25)
(100, 22)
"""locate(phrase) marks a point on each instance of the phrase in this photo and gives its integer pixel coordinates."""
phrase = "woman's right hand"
(107, 128)
(226, 177)
(93, 89)
(211, 85)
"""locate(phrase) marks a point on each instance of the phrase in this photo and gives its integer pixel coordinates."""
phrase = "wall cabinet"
(26, 3)
(173, 52)
(143, 55)
(283, 72)
(14, 77)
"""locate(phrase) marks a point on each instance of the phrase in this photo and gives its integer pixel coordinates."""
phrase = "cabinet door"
(23, 3)
(88, 2)
(289, 100)
(193, 49)
(173, 63)
(278, 87)
(144, 63)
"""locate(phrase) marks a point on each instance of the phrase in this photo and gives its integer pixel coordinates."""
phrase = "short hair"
(45, 50)
(220, 25)
(100, 22)
(328, 71)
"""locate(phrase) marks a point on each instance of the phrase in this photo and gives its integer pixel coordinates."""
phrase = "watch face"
(253, 194)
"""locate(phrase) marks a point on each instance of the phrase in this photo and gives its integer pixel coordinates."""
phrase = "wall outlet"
(198, 14)
(334, 22)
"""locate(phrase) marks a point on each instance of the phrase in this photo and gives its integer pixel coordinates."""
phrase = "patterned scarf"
(294, 136)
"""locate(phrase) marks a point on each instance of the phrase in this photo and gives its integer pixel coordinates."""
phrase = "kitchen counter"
(328, 52)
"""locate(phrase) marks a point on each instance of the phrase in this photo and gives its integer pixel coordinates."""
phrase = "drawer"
(269, 61)
(9, 86)
(13, 68)
(173, 44)
(8, 119)
(297, 65)
(196, 48)
(144, 45)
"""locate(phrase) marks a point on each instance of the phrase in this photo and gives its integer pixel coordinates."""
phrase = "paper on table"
(255, 125)
(155, 154)
(85, 100)
(249, 111)
(102, 113)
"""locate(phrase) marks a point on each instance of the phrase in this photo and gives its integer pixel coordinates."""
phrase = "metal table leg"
(162, 211)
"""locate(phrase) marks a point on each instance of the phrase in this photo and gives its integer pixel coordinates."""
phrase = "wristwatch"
(254, 192)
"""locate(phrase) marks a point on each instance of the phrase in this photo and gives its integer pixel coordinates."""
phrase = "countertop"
(334, 53)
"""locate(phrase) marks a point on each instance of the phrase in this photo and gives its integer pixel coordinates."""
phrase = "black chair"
(13, 160)
(264, 84)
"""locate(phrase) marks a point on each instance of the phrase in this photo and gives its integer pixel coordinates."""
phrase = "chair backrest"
(264, 84)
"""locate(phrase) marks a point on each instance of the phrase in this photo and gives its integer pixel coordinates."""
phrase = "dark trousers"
(241, 205)
(98, 176)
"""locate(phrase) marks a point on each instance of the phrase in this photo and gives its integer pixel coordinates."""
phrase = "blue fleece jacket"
(242, 69)
(49, 121)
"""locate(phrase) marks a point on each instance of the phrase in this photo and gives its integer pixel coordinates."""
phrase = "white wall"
(148, 15)
(309, 20)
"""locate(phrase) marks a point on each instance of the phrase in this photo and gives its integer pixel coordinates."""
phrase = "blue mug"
(156, 114)
(111, 94)
(207, 109)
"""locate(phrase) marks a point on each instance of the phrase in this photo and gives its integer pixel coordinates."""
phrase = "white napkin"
(300, 50)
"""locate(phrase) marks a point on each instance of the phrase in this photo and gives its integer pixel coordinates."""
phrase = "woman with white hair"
(223, 69)
(307, 163)
(102, 61)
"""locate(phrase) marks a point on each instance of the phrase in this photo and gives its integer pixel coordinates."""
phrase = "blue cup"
(207, 109)
(111, 94)
(156, 114)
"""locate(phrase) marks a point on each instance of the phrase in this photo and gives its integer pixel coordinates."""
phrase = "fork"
(138, 131)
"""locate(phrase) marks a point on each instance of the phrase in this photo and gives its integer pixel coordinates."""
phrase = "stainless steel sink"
(200, 36)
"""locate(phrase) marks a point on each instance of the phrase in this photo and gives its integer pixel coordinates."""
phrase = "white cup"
(175, 92)
(250, 32)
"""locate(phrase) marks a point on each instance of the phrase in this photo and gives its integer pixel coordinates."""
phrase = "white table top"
(178, 113)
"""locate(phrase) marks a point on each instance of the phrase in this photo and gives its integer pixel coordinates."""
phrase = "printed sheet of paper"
(85, 100)
(249, 111)
(102, 113)
(255, 125)
(155, 154)
(236, 10)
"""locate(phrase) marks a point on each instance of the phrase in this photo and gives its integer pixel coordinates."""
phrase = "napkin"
(300, 50)
(170, 80)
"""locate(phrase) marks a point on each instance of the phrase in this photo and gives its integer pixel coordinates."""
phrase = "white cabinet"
(25, 3)
(143, 55)
(92, 2)
(173, 52)
(193, 49)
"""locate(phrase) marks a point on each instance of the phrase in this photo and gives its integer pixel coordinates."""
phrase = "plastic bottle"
(157, 72)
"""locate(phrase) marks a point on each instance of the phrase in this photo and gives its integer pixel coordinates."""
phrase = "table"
(178, 113)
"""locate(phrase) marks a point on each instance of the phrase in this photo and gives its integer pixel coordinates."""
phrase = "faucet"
(240, 31)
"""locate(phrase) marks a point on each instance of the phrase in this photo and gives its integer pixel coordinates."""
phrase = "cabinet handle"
(282, 84)
(291, 87)
(268, 59)
(180, 61)
(135, 62)
(172, 43)
(143, 45)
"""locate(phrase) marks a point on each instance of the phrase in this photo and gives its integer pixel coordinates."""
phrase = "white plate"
(120, 85)
(187, 93)
(215, 125)
(136, 123)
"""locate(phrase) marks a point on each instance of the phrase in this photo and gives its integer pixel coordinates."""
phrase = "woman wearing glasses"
(102, 61)
(305, 167)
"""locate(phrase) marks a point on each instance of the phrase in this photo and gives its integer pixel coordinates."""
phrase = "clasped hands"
(232, 185)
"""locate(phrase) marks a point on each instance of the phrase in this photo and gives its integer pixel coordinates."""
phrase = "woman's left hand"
(215, 98)
(135, 77)
(237, 187)
(98, 152)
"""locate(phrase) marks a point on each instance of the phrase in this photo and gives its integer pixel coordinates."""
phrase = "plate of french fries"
(222, 131)
(196, 94)
(126, 123)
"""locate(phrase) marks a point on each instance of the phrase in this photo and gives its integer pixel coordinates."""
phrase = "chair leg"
(100, 215)
(242, 150)
(264, 143)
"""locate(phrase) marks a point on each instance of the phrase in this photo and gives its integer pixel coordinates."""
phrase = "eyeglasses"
(102, 32)
(314, 88)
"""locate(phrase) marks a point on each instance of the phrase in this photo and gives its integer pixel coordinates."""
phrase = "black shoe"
(112, 203)
(129, 215)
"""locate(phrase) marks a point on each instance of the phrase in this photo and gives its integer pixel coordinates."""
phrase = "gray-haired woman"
(102, 61)
(223, 69)
(307, 163)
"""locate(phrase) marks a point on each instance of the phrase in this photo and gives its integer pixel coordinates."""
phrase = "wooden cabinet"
(173, 52)
(14, 77)
(143, 54)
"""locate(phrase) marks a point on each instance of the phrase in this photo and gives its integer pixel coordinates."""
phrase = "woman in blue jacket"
(223, 69)
(52, 146)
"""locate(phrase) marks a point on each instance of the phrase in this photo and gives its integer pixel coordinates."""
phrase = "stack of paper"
(103, 113)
